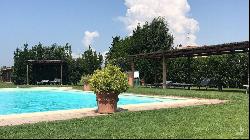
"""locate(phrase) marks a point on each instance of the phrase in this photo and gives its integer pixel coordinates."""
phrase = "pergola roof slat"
(235, 47)
(45, 61)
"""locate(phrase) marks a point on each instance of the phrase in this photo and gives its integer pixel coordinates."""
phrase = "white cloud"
(174, 11)
(89, 37)
(76, 55)
(104, 54)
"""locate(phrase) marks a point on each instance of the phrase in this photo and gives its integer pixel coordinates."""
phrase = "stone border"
(28, 118)
(181, 103)
(39, 88)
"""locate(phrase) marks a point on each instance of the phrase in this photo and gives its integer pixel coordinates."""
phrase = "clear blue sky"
(62, 21)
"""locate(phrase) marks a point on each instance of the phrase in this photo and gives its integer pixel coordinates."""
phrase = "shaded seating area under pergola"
(219, 49)
(47, 63)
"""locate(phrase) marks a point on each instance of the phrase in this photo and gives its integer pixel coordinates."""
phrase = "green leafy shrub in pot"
(85, 80)
(107, 84)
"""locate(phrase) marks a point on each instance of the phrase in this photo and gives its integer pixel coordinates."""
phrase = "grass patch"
(229, 120)
(211, 93)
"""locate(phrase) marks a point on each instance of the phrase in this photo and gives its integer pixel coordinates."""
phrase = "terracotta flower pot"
(86, 87)
(142, 82)
(107, 102)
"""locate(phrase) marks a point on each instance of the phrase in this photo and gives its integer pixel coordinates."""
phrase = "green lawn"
(229, 120)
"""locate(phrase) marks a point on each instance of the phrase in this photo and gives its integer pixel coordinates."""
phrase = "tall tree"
(150, 37)
(91, 61)
(118, 53)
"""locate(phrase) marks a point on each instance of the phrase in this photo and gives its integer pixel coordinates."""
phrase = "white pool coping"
(39, 88)
(28, 118)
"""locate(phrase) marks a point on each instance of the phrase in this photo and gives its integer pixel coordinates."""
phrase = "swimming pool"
(17, 101)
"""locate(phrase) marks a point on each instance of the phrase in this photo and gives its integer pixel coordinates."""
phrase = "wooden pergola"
(219, 49)
(6, 74)
(44, 62)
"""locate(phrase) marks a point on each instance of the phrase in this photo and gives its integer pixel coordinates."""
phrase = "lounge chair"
(247, 88)
(204, 83)
(56, 81)
(182, 85)
(150, 85)
(43, 82)
(168, 83)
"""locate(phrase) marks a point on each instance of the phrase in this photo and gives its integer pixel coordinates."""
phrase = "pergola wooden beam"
(236, 47)
(45, 61)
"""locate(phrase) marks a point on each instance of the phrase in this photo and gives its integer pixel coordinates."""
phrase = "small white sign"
(136, 74)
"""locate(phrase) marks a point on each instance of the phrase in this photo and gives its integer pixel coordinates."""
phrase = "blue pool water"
(16, 101)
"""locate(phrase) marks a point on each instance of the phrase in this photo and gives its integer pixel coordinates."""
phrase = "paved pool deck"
(29, 118)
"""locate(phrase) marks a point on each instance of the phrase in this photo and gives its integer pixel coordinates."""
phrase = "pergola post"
(10, 76)
(189, 69)
(27, 70)
(247, 73)
(164, 72)
(61, 73)
(132, 73)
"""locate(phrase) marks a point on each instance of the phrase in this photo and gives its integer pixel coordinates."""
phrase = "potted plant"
(85, 81)
(142, 82)
(107, 84)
